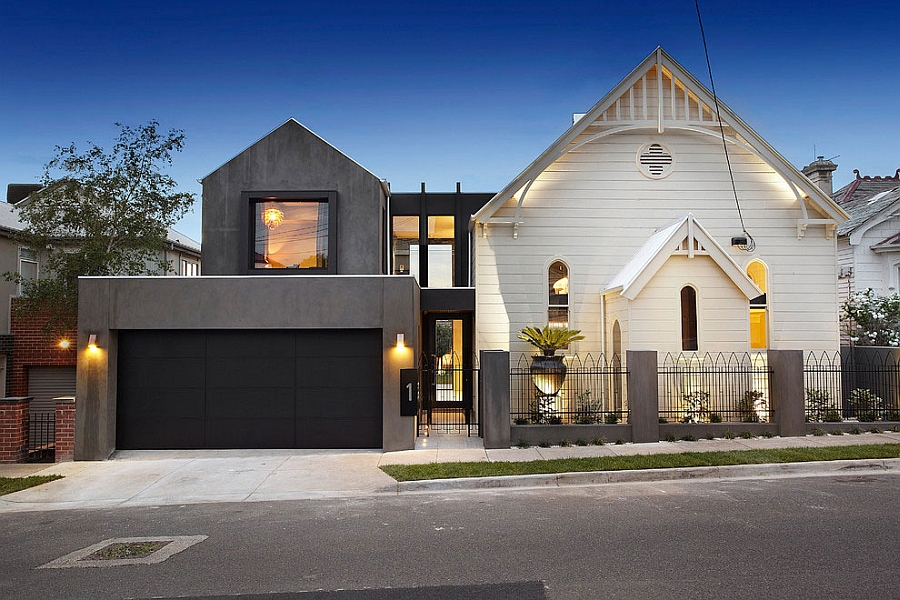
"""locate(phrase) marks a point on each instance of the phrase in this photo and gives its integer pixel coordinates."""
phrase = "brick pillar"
(14, 421)
(643, 395)
(65, 429)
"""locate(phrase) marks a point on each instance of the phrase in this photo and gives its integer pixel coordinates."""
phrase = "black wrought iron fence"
(592, 390)
(42, 437)
(449, 395)
(714, 388)
(857, 383)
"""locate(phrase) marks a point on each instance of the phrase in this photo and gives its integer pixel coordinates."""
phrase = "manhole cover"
(126, 551)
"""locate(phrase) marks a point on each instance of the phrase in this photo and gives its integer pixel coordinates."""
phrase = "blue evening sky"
(433, 91)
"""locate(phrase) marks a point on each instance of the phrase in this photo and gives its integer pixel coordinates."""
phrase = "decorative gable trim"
(685, 237)
(631, 106)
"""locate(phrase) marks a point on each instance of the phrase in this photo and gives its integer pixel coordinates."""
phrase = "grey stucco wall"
(292, 158)
(109, 304)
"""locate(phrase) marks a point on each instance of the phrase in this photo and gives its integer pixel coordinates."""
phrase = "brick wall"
(14, 422)
(33, 348)
(65, 430)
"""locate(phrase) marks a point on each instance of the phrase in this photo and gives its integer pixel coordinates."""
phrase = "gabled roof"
(891, 244)
(619, 115)
(865, 187)
(292, 122)
(686, 237)
(868, 212)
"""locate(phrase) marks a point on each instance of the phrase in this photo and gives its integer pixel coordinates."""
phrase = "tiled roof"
(865, 187)
(862, 209)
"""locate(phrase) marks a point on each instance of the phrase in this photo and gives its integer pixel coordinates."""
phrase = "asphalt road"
(817, 537)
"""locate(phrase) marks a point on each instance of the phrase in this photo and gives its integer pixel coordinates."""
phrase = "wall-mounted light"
(92, 342)
(401, 340)
(64, 344)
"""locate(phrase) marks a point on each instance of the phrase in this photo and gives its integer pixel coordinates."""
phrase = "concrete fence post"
(786, 391)
(14, 424)
(65, 429)
(494, 374)
(643, 395)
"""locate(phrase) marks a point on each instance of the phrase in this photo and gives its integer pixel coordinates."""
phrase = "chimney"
(819, 173)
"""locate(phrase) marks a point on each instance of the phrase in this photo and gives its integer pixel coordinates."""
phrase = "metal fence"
(449, 396)
(714, 388)
(861, 384)
(42, 437)
(593, 390)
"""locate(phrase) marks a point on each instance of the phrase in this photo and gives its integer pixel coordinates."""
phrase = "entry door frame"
(430, 364)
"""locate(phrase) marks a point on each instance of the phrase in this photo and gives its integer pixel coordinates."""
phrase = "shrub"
(836, 432)
(619, 442)
(729, 435)
(768, 434)
(875, 430)
(747, 435)
(872, 320)
(565, 443)
(587, 410)
(544, 444)
(818, 431)
(710, 436)
(893, 415)
(695, 407)
(520, 421)
(855, 431)
(599, 441)
(523, 444)
(751, 404)
(689, 438)
(817, 404)
(665, 420)
(554, 420)
(867, 405)
(671, 438)
(832, 416)
(715, 418)
(611, 418)
(580, 442)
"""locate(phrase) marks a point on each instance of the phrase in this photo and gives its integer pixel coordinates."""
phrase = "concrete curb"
(802, 469)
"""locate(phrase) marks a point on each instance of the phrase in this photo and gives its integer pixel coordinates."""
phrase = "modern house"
(320, 284)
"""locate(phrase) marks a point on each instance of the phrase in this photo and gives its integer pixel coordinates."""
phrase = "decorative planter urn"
(548, 373)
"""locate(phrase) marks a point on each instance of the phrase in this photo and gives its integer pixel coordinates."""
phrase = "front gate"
(448, 399)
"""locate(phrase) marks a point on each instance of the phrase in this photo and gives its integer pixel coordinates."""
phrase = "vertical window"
(189, 268)
(758, 306)
(28, 267)
(558, 293)
(405, 246)
(689, 340)
(441, 251)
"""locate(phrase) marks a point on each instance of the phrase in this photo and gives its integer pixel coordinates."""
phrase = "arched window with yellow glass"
(759, 318)
(558, 294)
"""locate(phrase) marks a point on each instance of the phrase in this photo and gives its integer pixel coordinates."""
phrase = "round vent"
(655, 161)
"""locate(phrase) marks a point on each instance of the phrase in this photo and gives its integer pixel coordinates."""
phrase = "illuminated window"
(758, 306)
(441, 251)
(292, 232)
(405, 253)
(689, 339)
(558, 293)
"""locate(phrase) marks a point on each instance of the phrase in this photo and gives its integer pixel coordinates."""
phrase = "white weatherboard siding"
(593, 207)
(873, 270)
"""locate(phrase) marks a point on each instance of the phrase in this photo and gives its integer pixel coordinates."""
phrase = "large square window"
(292, 233)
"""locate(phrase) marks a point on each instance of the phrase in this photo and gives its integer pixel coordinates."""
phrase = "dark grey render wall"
(293, 159)
(109, 304)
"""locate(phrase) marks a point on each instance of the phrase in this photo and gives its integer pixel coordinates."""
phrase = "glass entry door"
(448, 373)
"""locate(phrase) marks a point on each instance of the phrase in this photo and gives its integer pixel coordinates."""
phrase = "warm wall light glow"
(92, 342)
(401, 340)
(64, 344)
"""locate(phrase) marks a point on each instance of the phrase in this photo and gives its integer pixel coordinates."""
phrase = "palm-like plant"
(549, 339)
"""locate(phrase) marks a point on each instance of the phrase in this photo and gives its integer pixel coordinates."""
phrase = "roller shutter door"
(47, 383)
(249, 389)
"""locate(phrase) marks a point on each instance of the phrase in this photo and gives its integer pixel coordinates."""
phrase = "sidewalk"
(152, 478)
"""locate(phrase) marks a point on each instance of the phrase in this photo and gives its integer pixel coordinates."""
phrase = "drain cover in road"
(126, 551)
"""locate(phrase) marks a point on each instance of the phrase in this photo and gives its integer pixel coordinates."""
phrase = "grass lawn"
(8, 485)
(625, 463)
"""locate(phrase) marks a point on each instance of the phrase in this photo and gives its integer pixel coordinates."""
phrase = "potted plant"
(548, 371)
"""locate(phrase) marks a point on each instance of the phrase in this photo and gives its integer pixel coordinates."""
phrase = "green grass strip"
(8, 485)
(629, 463)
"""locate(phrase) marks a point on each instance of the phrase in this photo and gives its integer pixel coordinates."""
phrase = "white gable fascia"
(650, 258)
(878, 218)
(804, 190)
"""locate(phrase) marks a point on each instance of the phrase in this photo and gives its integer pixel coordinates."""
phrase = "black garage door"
(249, 389)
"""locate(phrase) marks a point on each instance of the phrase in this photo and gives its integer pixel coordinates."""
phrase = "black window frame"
(249, 200)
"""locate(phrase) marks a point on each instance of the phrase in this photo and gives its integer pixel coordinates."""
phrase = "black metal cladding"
(249, 389)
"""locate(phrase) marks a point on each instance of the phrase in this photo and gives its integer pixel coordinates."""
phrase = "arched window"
(689, 340)
(757, 271)
(558, 295)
